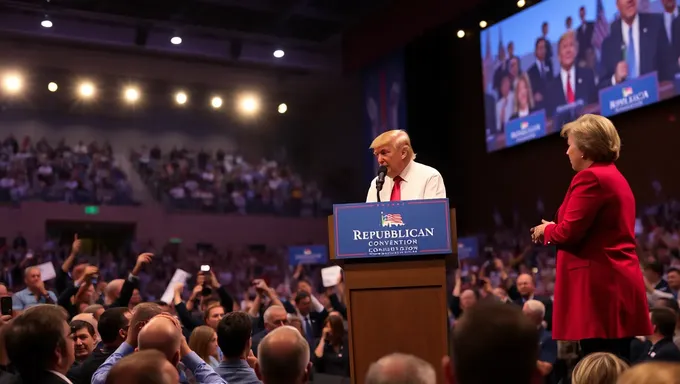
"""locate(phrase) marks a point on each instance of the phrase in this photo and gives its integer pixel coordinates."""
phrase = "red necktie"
(570, 92)
(396, 189)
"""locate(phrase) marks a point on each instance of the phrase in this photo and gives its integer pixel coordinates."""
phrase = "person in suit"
(584, 35)
(489, 108)
(648, 52)
(548, 44)
(524, 102)
(599, 290)
(40, 346)
(505, 104)
(571, 83)
(671, 20)
(661, 346)
(275, 316)
(540, 73)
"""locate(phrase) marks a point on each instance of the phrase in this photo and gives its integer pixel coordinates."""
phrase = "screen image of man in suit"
(671, 21)
(571, 83)
(540, 73)
(637, 45)
(584, 35)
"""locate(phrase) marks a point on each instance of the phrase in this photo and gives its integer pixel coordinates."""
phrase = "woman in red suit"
(599, 291)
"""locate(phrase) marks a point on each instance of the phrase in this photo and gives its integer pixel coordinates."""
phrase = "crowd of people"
(220, 181)
(80, 173)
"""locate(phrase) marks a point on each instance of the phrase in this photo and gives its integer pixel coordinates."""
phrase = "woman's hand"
(326, 332)
(538, 231)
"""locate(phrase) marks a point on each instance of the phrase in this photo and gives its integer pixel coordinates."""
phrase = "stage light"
(176, 40)
(461, 34)
(248, 104)
(521, 3)
(52, 86)
(86, 90)
(131, 94)
(12, 83)
(216, 102)
(46, 23)
(482, 24)
(279, 53)
(181, 98)
(283, 108)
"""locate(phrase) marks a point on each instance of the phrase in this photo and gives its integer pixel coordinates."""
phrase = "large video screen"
(557, 60)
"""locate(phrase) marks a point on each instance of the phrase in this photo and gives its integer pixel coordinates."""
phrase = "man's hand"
(142, 260)
(75, 247)
(621, 72)
(4, 319)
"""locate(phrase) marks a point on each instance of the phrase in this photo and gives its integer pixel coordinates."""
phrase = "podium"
(394, 256)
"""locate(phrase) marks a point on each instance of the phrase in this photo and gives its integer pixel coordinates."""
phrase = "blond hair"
(598, 368)
(567, 35)
(398, 139)
(652, 373)
(199, 342)
(530, 96)
(595, 136)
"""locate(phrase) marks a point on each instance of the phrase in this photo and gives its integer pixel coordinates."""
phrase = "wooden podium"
(396, 304)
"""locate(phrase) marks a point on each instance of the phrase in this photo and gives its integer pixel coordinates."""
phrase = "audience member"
(598, 368)
(234, 337)
(144, 367)
(398, 368)
(283, 357)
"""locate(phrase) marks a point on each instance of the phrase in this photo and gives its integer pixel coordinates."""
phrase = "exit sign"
(91, 210)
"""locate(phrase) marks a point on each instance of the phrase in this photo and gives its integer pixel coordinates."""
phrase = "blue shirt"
(237, 371)
(547, 347)
(25, 299)
(202, 371)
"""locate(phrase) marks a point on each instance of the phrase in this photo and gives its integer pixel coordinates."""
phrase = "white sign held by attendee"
(180, 276)
(47, 271)
(331, 276)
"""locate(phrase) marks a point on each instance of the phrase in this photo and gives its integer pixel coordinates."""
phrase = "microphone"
(380, 181)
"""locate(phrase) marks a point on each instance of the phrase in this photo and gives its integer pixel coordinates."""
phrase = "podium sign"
(525, 128)
(404, 228)
(630, 94)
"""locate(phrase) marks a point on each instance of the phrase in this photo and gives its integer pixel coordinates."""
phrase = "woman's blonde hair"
(199, 342)
(523, 78)
(598, 368)
(595, 136)
(652, 373)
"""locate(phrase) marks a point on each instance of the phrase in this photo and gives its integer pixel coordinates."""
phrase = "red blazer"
(599, 291)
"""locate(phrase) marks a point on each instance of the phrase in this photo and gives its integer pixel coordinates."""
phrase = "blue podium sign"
(309, 254)
(525, 128)
(630, 94)
(404, 228)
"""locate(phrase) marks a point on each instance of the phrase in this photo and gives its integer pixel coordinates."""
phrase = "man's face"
(540, 50)
(67, 356)
(567, 51)
(467, 299)
(3, 291)
(674, 280)
(84, 343)
(582, 14)
(511, 49)
(392, 158)
(214, 316)
(525, 285)
(544, 29)
(669, 5)
(33, 278)
(304, 306)
(627, 8)
(279, 318)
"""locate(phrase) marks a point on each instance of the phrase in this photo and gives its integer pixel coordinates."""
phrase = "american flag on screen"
(601, 26)
(391, 219)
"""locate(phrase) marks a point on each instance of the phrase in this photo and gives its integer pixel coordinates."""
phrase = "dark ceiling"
(303, 20)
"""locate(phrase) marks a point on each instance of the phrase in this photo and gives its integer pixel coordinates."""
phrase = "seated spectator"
(144, 367)
(203, 341)
(661, 346)
(234, 337)
(547, 354)
(40, 346)
(493, 332)
(283, 357)
(400, 368)
(651, 373)
(274, 317)
(598, 368)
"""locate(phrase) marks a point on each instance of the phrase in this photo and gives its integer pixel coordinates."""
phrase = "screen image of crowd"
(258, 284)
(558, 60)
(206, 181)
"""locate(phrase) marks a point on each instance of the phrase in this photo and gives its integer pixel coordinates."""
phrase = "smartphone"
(6, 305)
(205, 268)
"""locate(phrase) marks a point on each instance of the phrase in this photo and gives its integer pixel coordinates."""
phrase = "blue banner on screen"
(384, 100)
(417, 227)
(525, 128)
(562, 58)
(310, 254)
(629, 95)
(468, 248)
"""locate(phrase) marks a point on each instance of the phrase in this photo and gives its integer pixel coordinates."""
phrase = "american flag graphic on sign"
(391, 219)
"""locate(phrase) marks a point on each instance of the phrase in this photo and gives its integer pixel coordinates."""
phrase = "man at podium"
(400, 177)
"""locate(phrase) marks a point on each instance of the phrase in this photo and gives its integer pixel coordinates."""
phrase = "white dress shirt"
(523, 112)
(668, 23)
(571, 75)
(418, 182)
(636, 36)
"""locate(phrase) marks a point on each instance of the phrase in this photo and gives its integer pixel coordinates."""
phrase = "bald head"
(112, 290)
(144, 367)
(400, 368)
(283, 357)
(161, 334)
